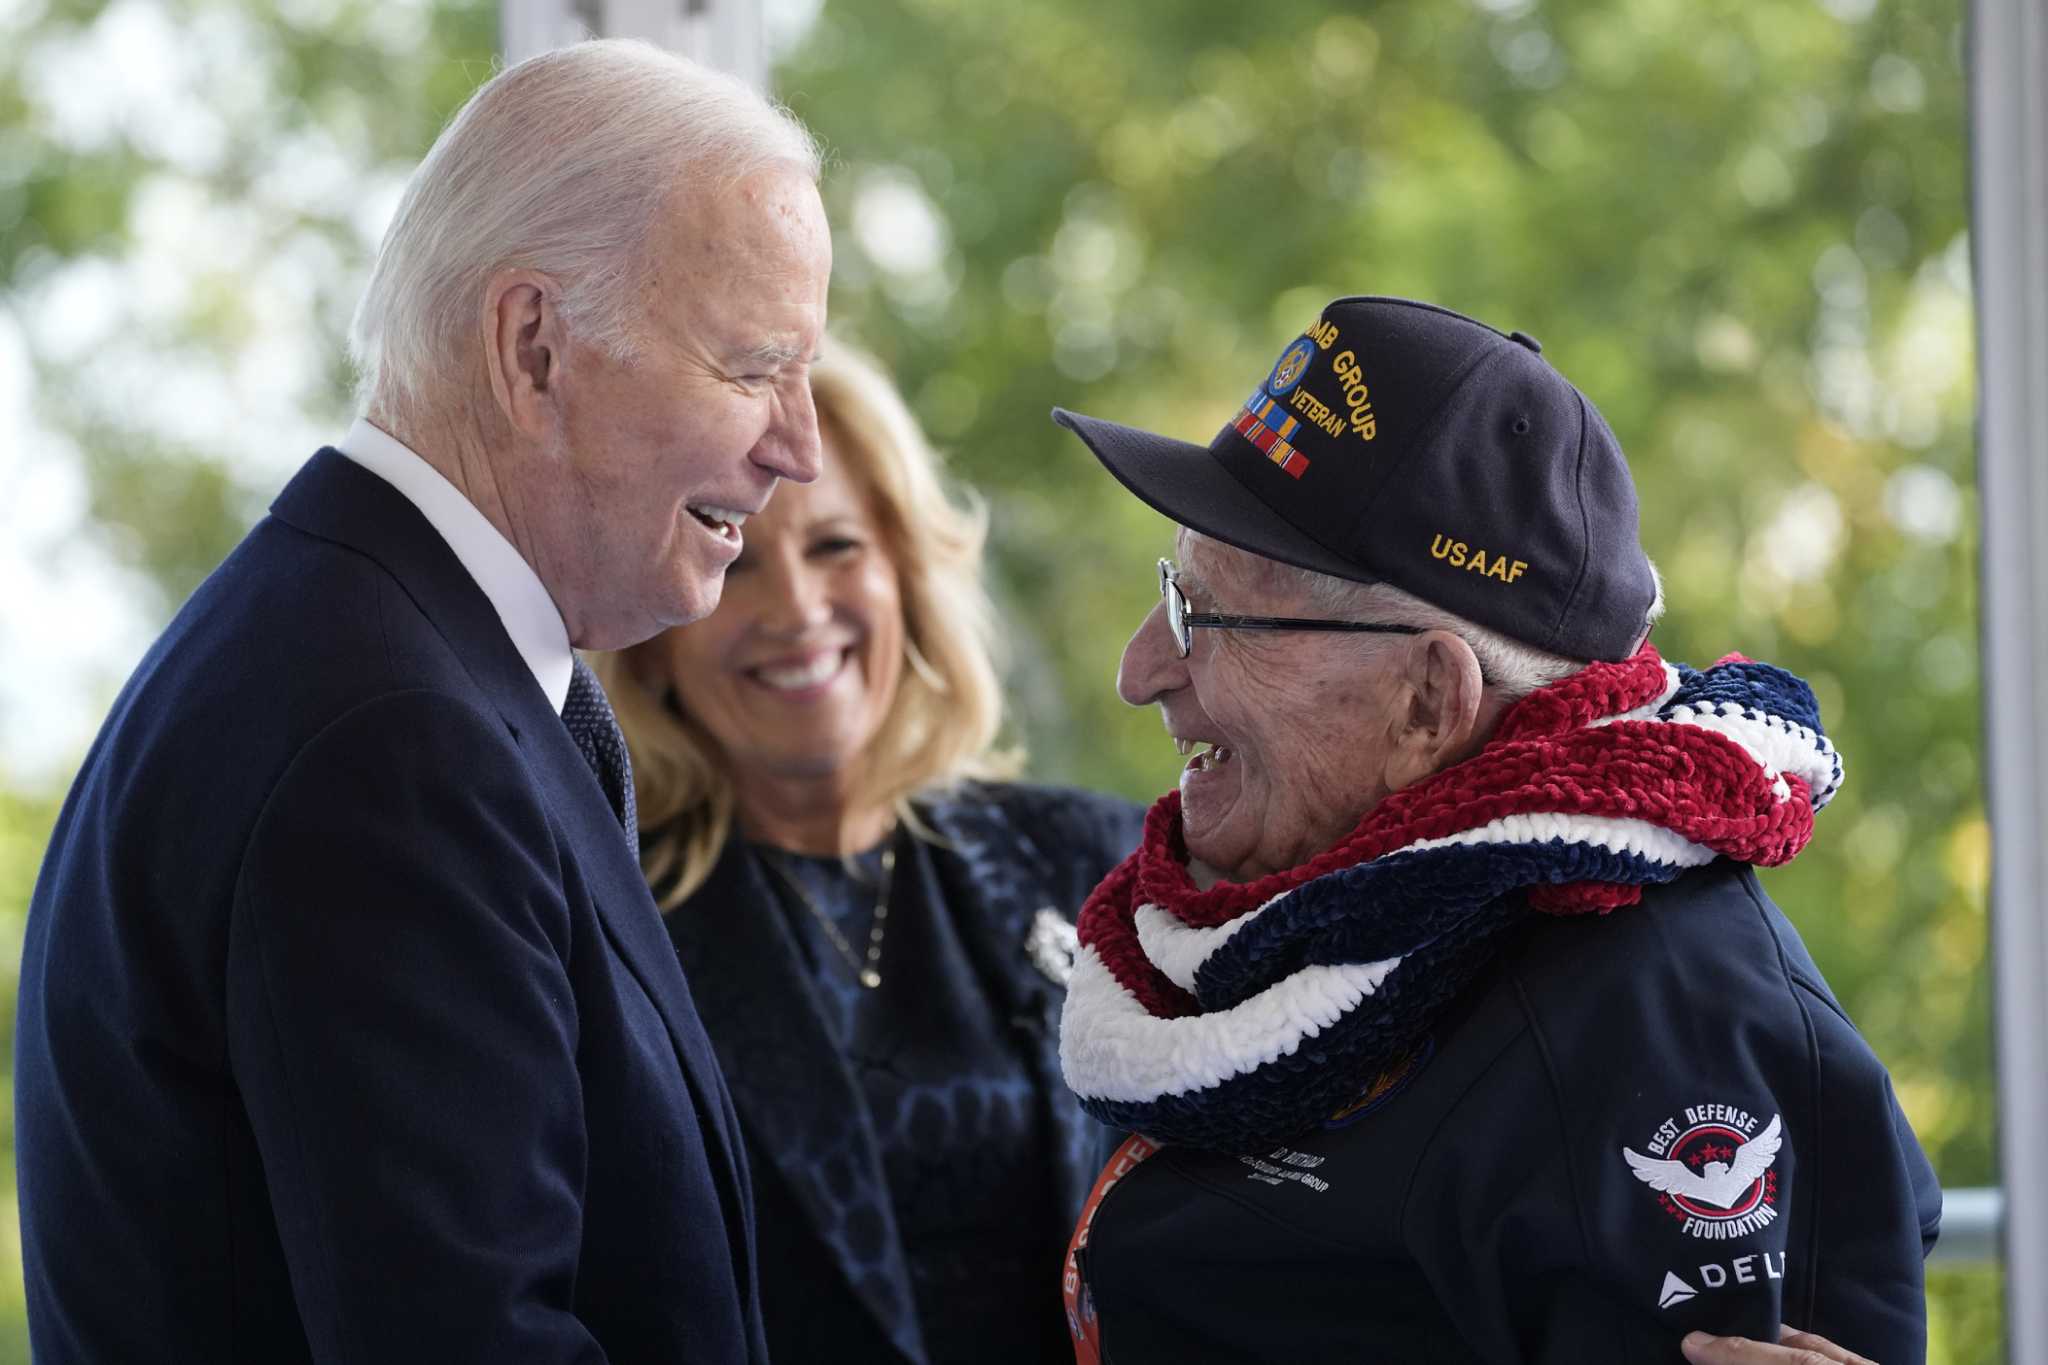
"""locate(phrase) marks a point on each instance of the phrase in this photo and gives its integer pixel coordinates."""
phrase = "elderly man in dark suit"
(348, 1029)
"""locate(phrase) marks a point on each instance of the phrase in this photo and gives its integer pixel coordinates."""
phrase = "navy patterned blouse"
(964, 1151)
(917, 1162)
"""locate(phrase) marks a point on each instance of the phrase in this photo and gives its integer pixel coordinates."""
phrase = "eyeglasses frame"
(1181, 623)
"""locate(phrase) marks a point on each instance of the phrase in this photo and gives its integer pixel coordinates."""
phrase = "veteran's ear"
(523, 347)
(1445, 700)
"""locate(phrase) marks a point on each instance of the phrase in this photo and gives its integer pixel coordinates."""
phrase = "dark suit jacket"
(834, 1283)
(348, 1030)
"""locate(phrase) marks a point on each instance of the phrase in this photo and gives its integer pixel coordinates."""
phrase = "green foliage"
(277, 86)
(1737, 224)
(1965, 1316)
(24, 831)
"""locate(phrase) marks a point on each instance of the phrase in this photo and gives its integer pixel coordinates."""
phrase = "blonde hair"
(560, 164)
(942, 724)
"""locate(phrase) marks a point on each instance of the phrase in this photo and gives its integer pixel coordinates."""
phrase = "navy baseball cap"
(1399, 442)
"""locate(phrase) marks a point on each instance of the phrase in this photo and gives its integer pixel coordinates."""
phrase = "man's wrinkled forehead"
(1208, 565)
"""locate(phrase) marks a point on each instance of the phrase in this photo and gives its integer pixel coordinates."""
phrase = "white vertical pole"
(726, 34)
(2009, 165)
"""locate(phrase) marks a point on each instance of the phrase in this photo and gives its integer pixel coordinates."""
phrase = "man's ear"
(524, 347)
(1446, 696)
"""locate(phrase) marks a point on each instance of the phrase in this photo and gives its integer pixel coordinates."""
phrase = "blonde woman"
(875, 924)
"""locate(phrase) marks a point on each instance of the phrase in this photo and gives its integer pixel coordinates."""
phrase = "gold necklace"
(869, 968)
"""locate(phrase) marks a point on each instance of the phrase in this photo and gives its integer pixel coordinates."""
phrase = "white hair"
(1510, 667)
(559, 164)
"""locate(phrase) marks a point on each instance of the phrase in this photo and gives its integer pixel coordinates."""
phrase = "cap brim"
(1187, 483)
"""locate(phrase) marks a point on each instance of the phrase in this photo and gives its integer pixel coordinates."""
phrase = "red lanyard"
(1087, 1332)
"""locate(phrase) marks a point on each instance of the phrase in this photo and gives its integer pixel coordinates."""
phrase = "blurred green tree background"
(1739, 225)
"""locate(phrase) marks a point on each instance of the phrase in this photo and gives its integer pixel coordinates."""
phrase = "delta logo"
(1756, 1269)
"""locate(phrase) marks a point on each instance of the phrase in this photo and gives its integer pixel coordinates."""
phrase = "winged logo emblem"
(1719, 1183)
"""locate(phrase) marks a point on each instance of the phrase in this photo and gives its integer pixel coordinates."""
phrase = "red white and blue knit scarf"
(1236, 1017)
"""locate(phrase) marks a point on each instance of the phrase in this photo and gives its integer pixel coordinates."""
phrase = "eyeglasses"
(1183, 622)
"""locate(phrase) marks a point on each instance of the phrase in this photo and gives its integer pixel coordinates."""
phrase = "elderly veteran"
(1442, 1000)
(348, 1029)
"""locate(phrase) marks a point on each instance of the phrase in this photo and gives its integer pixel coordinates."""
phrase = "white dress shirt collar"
(510, 583)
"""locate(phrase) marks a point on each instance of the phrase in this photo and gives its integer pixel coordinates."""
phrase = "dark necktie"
(596, 732)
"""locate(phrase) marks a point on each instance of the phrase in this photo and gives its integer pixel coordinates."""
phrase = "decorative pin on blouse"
(1053, 944)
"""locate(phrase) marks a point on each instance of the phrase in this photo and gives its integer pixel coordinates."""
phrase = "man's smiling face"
(659, 458)
(1300, 726)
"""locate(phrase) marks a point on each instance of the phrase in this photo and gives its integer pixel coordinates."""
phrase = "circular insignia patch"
(1293, 365)
(1714, 1170)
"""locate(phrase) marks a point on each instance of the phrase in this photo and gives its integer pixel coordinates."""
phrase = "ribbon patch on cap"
(1266, 422)
(1267, 425)
(1279, 407)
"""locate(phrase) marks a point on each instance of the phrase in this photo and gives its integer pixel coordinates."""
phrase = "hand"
(1793, 1348)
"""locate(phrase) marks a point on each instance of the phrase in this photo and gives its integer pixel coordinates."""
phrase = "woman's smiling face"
(795, 672)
